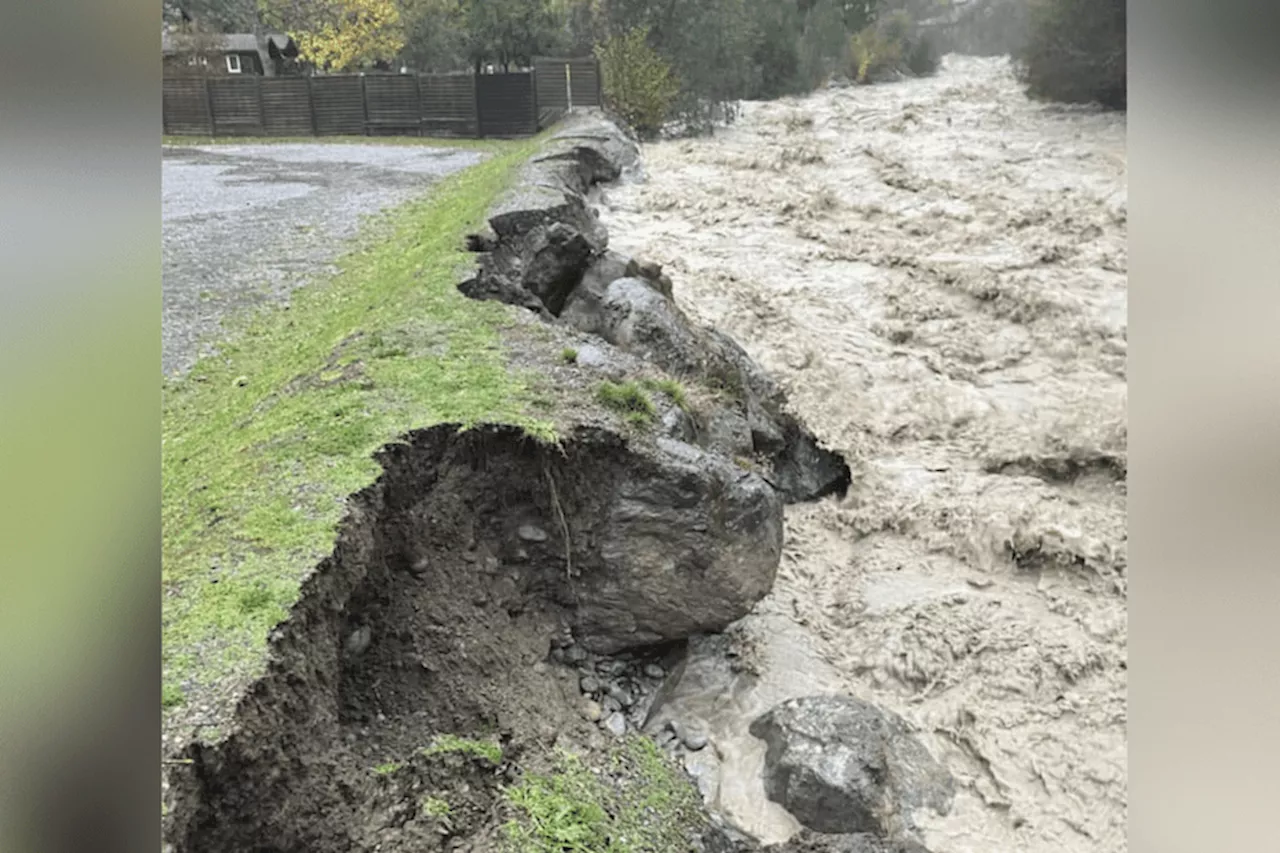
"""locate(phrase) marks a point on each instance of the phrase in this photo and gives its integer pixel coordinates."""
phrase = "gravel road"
(247, 223)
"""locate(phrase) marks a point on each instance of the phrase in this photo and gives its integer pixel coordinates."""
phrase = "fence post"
(262, 109)
(568, 86)
(417, 98)
(311, 104)
(475, 100)
(364, 102)
(208, 106)
(533, 92)
(599, 84)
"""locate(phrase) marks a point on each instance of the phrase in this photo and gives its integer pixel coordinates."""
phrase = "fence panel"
(449, 105)
(185, 106)
(392, 104)
(237, 106)
(507, 104)
(558, 79)
(460, 104)
(339, 105)
(286, 106)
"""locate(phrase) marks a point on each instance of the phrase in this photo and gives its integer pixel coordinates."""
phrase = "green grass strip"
(264, 441)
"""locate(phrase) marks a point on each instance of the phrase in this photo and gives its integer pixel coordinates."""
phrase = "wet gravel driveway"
(247, 223)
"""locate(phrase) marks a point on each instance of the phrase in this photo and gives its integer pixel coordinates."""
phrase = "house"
(227, 53)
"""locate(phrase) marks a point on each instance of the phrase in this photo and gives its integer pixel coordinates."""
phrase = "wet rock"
(557, 258)
(654, 671)
(616, 724)
(588, 684)
(704, 768)
(664, 580)
(694, 740)
(485, 241)
(358, 641)
(727, 431)
(532, 533)
(841, 765)
(677, 424)
(633, 316)
(621, 695)
(582, 307)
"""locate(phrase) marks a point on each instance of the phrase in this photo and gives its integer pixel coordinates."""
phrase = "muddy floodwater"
(936, 271)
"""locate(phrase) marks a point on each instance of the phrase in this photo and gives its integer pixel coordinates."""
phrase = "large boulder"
(684, 544)
(841, 765)
(634, 314)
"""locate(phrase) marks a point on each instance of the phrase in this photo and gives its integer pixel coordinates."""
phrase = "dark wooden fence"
(463, 104)
(566, 83)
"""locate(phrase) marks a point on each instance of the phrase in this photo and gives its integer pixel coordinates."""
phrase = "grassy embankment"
(263, 442)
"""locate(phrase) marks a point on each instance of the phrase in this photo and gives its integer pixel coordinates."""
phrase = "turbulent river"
(936, 271)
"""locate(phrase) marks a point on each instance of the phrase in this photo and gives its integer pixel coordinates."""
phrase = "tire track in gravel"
(245, 224)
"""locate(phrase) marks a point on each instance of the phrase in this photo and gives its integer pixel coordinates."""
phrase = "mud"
(434, 616)
(935, 271)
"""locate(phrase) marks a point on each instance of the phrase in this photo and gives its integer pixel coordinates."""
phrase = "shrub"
(638, 83)
(889, 46)
(1075, 52)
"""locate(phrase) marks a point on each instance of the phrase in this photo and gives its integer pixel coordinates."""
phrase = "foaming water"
(935, 270)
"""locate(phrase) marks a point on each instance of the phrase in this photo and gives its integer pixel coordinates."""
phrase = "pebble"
(622, 697)
(655, 671)
(616, 724)
(694, 740)
(589, 684)
(540, 667)
(532, 533)
(576, 654)
(358, 640)
(591, 711)
(611, 705)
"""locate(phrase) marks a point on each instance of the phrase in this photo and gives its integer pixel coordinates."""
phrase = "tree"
(222, 16)
(340, 35)
(507, 31)
(1075, 52)
(435, 35)
(638, 85)
(824, 46)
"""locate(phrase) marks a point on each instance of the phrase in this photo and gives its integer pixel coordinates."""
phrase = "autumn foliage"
(342, 35)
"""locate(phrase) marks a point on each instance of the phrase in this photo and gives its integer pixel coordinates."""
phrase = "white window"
(233, 64)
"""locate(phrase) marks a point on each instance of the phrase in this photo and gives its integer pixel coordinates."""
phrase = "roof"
(276, 44)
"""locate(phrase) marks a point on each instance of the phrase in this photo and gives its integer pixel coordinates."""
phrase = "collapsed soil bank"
(456, 574)
(935, 272)
(473, 557)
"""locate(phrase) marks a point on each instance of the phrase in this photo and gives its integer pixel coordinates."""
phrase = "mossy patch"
(673, 389)
(639, 801)
(629, 399)
(487, 750)
(263, 441)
